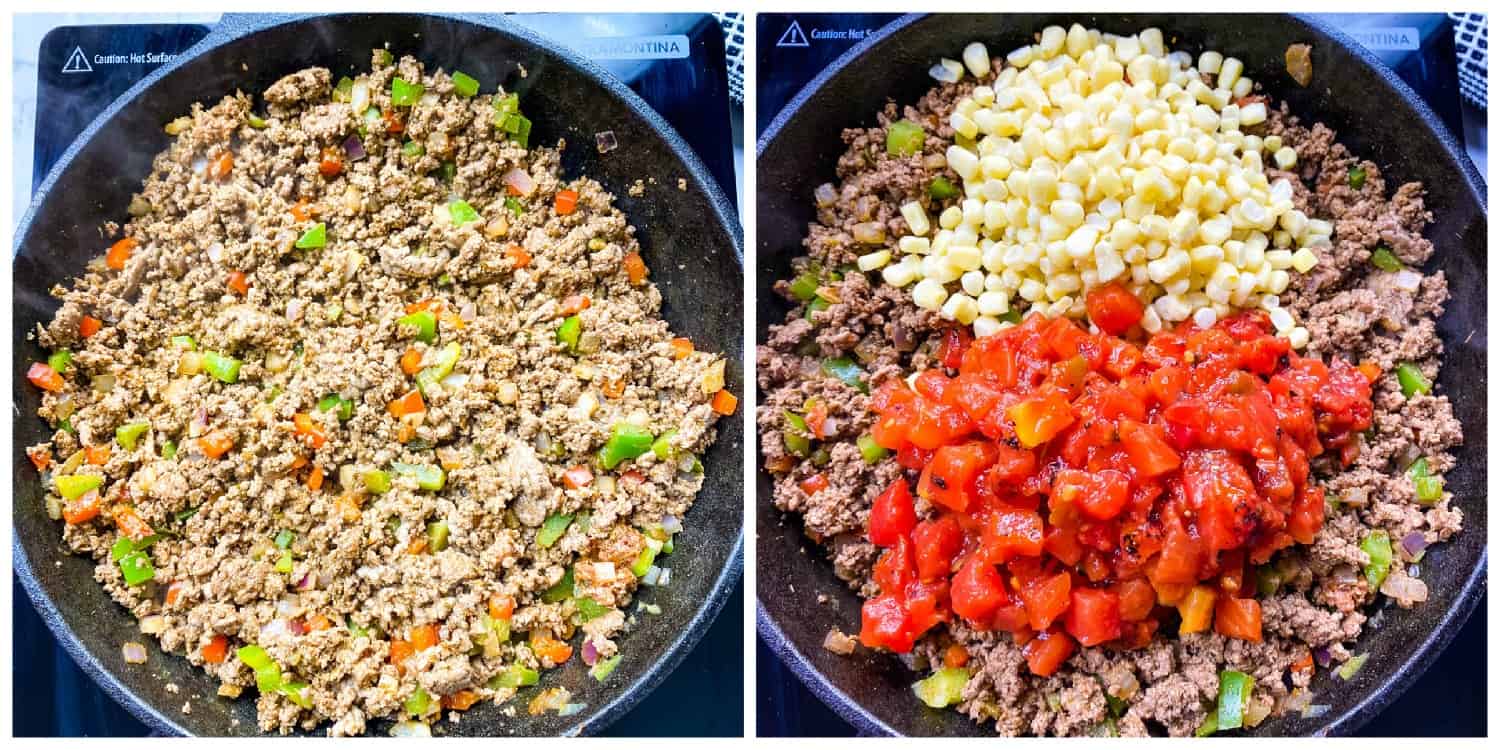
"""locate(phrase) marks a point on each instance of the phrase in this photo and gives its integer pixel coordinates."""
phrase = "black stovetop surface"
(792, 48)
(690, 91)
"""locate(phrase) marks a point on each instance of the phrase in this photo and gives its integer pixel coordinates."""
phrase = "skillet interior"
(690, 239)
(1374, 113)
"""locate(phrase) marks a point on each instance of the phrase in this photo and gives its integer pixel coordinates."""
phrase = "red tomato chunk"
(1088, 488)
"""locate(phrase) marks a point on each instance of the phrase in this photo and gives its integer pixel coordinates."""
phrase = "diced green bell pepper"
(1267, 579)
(405, 94)
(553, 528)
(437, 536)
(343, 91)
(818, 304)
(1357, 177)
(805, 286)
(514, 206)
(285, 563)
(59, 360)
(428, 477)
(1234, 699)
(425, 323)
(515, 676)
(846, 370)
(256, 121)
(662, 446)
(185, 342)
(418, 703)
(464, 84)
(589, 608)
(413, 149)
(943, 688)
(74, 486)
(461, 212)
(795, 435)
(1429, 488)
(128, 434)
(561, 590)
(1412, 380)
(870, 450)
(136, 568)
(378, 481)
(568, 332)
(169, 450)
(941, 189)
(315, 237)
(447, 358)
(1348, 669)
(644, 561)
(1385, 260)
(904, 138)
(1377, 544)
(284, 538)
(602, 670)
(224, 368)
(626, 441)
(332, 401)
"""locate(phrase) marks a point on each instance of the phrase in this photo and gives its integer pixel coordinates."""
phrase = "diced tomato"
(1136, 598)
(635, 268)
(1149, 453)
(949, 477)
(502, 606)
(216, 444)
(411, 403)
(724, 403)
(1307, 514)
(1113, 308)
(238, 283)
(978, 590)
(1061, 542)
(892, 515)
(518, 255)
(89, 325)
(1047, 651)
(1094, 616)
(1237, 618)
(956, 341)
(813, 485)
(1222, 496)
(884, 623)
(1012, 532)
(1046, 598)
(130, 523)
(1181, 556)
(309, 431)
(1100, 495)
(896, 568)
(937, 542)
(40, 457)
(926, 605)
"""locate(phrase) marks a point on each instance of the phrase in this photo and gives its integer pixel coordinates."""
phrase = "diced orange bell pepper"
(216, 650)
(1237, 618)
(411, 403)
(43, 376)
(566, 202)
(411, 362)
(222, 166)
(431, 305)
(89, 325)
(547, 647)
(724, 402)
(97, 455)
(120, 252)
(613, 388)
(401, 650)
(681, 348)
(83, 508)
(502, 606)
(331, 162)
(635, 268)
(424, 637)
(460, 701)
(955, 656)
(319, 621)
(216, 444)
(130, 523)
(238, 283)
(813, 484)
(518, 255)
(574, 304)
(315, 478)
(309, 431)
(40, 457)
(174, 593)
(1040, 418)
(300, 210)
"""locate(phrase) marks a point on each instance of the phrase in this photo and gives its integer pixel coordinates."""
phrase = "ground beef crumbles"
(369, 407)
(1365, 302)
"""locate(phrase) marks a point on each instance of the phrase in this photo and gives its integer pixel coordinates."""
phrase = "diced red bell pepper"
(892, 515)
(43, 376)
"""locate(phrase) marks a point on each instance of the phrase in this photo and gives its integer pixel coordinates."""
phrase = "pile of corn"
(1093, 158)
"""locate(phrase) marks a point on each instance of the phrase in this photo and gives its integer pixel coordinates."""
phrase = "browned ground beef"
(324, 321)
(1351, 309)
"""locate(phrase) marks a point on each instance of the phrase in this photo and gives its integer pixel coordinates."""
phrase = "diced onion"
(605, 141)
(273, 629)
(519, 181)
(653, 574)
(590, 654)
(354, 148)
(215, 252)
(1316, 710)
(104, 383)
(825, 195)
(294, 308)
(1414, 543)
(411, 729)
(134, 653)
(359, 97)
(153, 624)
(1408, 280)
(671, 524)
(665, 577)
(1404, 588)
(455, 381)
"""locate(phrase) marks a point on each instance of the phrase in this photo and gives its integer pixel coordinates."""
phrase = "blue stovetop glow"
(690, 91)
(1449, 699)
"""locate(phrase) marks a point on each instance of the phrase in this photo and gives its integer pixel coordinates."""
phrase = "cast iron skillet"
(1375, 114)
(691, 240)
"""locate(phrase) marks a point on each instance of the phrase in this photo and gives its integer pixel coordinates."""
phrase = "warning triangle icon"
(77, 62)
(792, 37)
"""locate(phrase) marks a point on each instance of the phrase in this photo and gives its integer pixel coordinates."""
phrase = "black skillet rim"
(866, 722)
(233, 27)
